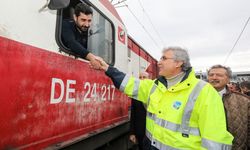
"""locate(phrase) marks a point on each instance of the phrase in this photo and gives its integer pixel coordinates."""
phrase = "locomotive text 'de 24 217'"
(89, 91)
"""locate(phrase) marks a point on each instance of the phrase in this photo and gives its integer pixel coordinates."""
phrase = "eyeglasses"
(164, 58)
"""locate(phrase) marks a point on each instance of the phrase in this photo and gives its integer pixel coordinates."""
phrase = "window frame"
(58, 33)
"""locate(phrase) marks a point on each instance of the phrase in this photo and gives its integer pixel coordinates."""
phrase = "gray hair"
(180, 54)
(228, 70)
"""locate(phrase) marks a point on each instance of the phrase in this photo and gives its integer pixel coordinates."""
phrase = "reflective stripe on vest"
(151, 92)
(157, 143)
(136, 86)
(208, 144)
(124, 83)
(214, 145)
(136, 89)
(171, 126)
(185, 129)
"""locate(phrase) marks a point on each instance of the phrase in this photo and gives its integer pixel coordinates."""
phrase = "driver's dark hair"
(83, 8)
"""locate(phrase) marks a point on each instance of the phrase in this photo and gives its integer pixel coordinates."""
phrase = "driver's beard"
(84, 28)
(81, 28)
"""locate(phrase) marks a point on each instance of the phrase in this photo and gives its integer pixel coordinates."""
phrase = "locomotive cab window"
(81, 28)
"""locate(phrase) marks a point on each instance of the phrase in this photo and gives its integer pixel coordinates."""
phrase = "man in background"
(234, 87)
(245, 87)
(236, 106)
(138, 119)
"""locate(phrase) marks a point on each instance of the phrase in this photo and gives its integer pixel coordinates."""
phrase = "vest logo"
(177, 105)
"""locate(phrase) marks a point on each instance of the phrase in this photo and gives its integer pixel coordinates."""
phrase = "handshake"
(98, 63)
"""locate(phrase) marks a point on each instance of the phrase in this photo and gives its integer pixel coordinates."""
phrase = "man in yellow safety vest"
(183, 112)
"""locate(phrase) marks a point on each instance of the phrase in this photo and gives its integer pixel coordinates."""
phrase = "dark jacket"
(237, 108)
(138, 121)
(73, 39)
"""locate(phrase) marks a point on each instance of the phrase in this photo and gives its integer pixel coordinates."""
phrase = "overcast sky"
(207, 28)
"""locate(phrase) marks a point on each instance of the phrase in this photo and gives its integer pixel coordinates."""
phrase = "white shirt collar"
(223, 91)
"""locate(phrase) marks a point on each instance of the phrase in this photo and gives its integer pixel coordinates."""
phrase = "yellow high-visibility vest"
(188, 115)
